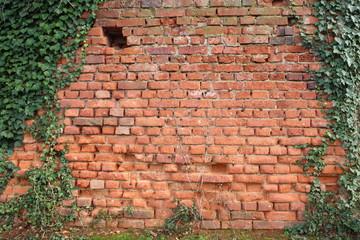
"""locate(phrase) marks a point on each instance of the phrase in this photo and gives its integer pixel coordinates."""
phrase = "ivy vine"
(34, 35)
(336, 43)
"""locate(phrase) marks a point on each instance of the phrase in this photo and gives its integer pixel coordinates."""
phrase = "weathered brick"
(268, 224)
(132, 85)
(169, 12)
(284, 197)
(161, 50)
(97, 184)
(193, 50)
(272, 20)
(87, 121)
(101, 104)
(143, 67)
(122, 131)
(217, 178)
(201, 12)
(232, 11)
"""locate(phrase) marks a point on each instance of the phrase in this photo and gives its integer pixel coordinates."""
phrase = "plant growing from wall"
(34, 35)
(336, 43)
(182, 220)
(109, 216)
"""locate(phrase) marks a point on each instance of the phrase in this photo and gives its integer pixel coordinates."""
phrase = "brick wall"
(204, 103)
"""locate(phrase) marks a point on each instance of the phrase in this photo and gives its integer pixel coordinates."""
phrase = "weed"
(183, 219)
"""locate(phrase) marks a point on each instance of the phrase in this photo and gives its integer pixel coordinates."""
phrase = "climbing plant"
(34, 36)
(336, 43)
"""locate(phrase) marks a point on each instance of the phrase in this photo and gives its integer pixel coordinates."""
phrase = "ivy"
(336, 43)
(34, 35)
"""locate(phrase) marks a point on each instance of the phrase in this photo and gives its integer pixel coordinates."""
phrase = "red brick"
(101, 104)
(282, 216)
(281, 179)
(210, 224)
(283, 197)
(228, 68)
(164, 103)
(249, 178)
(272, 20)
(149, 122)
(80, 157)
(183, 177)
(262, 159)
(156, 195)
(201, 12)
(143, 67)
(122, 131)
(161, 50)
(291, 49)
(90, 130)
(78, 86)
(169, 12)
(229, 141)
(134, 103)
(193, 50)
(268, 224)
(90, 139)
(291, 104)
(132, 85)
(262, 123)
(232, 11)
(130, 22)
(97, 184)
(250, 197)
(71, 130)
(217, 178)
(72, 103)
(265, 206)
(83, 202)
(131, 223)
(291, 68)
(95, 59)
(265, 11)
(248, 215)
(241, 224)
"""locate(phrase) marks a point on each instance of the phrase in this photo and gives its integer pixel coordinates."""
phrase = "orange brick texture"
(204, 104)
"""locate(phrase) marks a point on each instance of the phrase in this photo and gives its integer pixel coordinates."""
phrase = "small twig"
(70, 3)
(58, 5)
(27, 8)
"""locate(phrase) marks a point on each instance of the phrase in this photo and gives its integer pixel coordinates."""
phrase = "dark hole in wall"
(312, 85)
(115, 36)
(292, 20)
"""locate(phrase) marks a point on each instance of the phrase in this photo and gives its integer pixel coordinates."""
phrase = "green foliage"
(125, 236)
(34, 35)
(51, 183)
(7, 170)
(336, 43)
(148, 236)
(103, 215)
(203, 235)
(183, 219)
